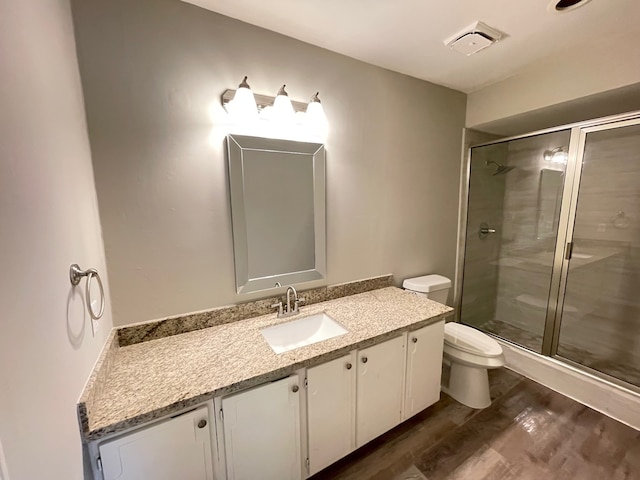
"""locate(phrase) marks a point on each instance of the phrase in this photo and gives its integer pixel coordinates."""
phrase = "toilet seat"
(470, 340)
(472, 360)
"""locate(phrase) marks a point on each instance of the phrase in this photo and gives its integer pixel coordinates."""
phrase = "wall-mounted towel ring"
(76, 274)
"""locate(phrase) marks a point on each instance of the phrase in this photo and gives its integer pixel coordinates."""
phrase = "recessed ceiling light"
(563, 6)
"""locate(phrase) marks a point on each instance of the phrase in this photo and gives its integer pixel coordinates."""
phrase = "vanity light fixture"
(556, 155)
(243, 105)
(278, 117)
(262, 102)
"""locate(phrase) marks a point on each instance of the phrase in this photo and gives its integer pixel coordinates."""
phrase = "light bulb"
(560, 157)
(282, 108)
(243, 106)
(316, 120)
(556, 155)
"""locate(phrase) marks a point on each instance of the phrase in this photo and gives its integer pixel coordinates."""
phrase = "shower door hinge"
(569, 251)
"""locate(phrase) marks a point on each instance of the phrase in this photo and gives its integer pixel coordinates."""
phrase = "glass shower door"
(600, 323)
(515, 195)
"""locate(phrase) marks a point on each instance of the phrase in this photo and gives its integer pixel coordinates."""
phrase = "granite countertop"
(151, 379)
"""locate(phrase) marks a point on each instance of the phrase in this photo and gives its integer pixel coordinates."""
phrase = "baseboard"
(608, 398)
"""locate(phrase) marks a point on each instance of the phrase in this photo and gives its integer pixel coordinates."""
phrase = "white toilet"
(469, 352)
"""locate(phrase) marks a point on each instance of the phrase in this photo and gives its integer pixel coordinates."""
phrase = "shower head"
(502, 169)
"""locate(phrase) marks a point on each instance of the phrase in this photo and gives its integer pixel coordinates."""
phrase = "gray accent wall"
(151, 70)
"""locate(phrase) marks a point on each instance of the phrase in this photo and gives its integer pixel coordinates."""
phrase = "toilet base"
(468, 385)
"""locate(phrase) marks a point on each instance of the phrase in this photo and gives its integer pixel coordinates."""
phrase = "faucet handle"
(297, 303)
(279, 307)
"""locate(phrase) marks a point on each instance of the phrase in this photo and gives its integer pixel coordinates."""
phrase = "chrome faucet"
(288, 309)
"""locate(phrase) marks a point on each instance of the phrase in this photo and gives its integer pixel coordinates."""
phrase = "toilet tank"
(434, 287)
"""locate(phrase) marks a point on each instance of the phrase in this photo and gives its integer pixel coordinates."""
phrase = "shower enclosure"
(551, 244)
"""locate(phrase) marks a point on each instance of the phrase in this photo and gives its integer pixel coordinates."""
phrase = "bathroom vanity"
(220, 403)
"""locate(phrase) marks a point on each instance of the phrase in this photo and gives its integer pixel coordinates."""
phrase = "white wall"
(564, 77)
(150, 71)
(49, 215)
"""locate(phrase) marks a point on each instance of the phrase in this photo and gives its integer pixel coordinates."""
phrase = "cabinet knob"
(202, 423)
(414, 339)
(295, 389)
(349, 365)
(365, 359)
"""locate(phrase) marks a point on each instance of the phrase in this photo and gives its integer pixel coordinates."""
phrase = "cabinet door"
(424, 368)
(262, 432)
(175, 448)
(331, 411)
(380, 380)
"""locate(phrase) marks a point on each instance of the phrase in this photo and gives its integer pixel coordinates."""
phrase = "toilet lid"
(471, 340)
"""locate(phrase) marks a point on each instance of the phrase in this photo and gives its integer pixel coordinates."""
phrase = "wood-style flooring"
(528, 432)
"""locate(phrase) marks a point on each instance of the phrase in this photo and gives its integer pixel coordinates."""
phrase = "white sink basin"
(302, 332)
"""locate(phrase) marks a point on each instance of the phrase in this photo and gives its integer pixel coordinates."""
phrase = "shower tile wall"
(486, 197)
(526, 256)
(507, 275)
(601, 325)
(517, 261)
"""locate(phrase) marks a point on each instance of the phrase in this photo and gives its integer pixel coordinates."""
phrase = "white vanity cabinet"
(424, 368)
(179, 447)
(261, 429)
(370, 391)
(280, 430)
(331, 389)
(379, 388)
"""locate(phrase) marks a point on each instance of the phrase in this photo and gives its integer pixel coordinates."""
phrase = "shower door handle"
(569, 251)
(485, 230)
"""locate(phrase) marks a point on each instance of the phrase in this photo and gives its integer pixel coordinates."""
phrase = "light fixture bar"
(262, 101)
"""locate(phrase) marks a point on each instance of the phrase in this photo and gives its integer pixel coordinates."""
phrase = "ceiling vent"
(474, 38)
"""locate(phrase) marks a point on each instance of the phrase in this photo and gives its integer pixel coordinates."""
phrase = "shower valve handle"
(485, 230)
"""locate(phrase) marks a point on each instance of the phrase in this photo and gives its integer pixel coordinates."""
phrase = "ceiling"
(407, 35)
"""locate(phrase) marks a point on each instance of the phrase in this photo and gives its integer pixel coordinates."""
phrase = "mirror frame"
(236, 146)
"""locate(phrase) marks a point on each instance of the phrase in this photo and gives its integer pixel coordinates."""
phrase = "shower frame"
(564, 238)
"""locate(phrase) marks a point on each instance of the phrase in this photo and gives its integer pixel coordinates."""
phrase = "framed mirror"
(277, 192)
